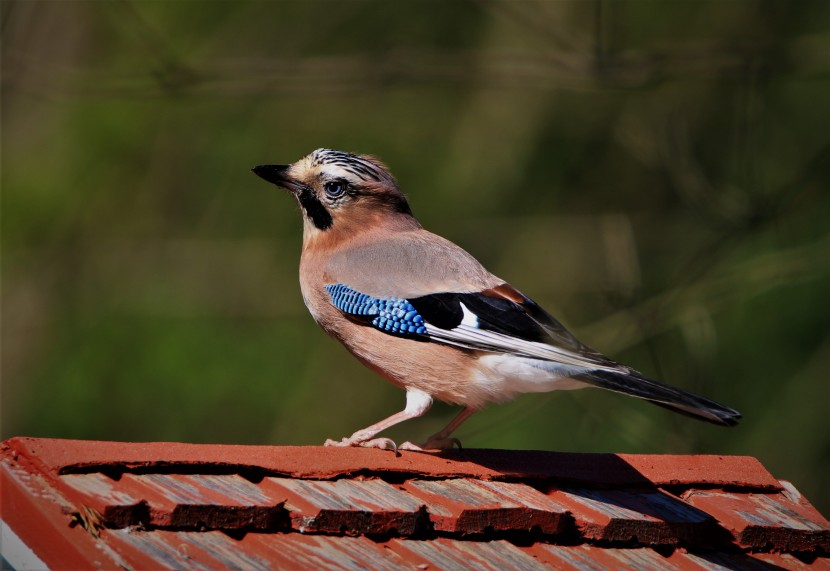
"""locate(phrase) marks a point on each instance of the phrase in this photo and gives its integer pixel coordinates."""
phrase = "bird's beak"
(276, 174)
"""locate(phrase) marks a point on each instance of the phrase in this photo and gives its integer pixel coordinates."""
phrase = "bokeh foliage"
(654, 173)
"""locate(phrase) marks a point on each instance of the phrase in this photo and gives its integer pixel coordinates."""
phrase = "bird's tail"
(634, 384)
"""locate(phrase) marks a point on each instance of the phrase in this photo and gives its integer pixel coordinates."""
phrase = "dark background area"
(655, 174)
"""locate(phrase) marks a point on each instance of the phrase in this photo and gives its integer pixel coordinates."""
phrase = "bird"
(424, 314)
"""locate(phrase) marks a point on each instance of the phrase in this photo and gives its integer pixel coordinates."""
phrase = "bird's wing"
(455, 299)
(408, 264)
(498, 319)
(503, 320)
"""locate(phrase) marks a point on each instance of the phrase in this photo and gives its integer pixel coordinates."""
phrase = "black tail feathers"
(634, 384)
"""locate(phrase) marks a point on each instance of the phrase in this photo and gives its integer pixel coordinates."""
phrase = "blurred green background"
(653, 173)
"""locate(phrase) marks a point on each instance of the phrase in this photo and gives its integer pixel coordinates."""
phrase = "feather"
(390, 315)
(634, 384)
(472, 321)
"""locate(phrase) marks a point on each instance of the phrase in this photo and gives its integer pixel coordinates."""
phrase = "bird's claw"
(432, 444)
(410, 446)
(380, 443)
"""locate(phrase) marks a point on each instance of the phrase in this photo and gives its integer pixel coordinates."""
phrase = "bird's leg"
(441, 440)
(417, 403)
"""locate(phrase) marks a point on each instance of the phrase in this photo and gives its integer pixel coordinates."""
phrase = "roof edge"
(60, 456)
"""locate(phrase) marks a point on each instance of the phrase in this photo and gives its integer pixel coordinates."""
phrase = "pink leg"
(417, 403)
(441, 440)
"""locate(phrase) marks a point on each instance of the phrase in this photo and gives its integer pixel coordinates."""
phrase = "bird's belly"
(502, 377)
(439, 370)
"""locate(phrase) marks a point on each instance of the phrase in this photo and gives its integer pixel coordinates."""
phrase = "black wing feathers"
(494, 314)
(522, 319)
(503, 316)
(440, 309)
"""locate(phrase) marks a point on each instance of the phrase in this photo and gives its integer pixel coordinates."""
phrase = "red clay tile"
(318, 462)
(211, 501)
(46, 532)
(213, 550)
(724, 561)
(106, 496)
(159, 549)
(469, 506)
(589, 557)
(179, 500)
(349, 506)
(792, 563)
(443, 553)
(300, 551)
(763, 521)
(59, 496)
(648, 517)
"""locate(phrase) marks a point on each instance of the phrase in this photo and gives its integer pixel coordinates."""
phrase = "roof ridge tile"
(318, 462)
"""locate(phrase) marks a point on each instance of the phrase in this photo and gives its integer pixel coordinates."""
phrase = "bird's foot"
(380, 443)
(432, 444)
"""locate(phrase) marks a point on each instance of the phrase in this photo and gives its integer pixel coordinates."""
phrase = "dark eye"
(335, 188)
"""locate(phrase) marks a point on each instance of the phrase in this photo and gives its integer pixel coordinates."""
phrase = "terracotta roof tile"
(764, 521)
(44, 523)
(443, 553)
(724, 561)
(71, 504)
(300, 551)
(583, 557)
(787, 561)
(651, 517)
(178, 500)
(349, 506)
(466, 506)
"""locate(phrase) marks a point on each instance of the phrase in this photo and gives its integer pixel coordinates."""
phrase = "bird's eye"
(335, 189)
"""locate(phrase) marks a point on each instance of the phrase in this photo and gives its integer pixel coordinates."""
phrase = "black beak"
(275, 174)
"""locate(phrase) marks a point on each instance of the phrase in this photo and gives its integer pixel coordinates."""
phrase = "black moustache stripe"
(315, 210)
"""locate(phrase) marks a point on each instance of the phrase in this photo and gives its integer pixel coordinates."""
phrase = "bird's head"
(339, 191)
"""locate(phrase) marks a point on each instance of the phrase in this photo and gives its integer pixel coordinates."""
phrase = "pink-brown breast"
(394, 257)
(442, 371)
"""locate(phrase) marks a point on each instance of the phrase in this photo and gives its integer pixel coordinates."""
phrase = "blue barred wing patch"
(391, 315)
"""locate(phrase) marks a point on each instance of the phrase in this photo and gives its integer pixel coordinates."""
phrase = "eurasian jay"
(425, 315)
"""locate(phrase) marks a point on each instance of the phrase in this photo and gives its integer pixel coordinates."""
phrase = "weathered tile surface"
(447, 554)
(350, 506)
(651, 517)
(464, 505)
(179, 500)
(588, 557)
(765, 521)
(173, 506)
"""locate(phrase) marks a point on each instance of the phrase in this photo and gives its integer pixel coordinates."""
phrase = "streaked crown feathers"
(334, 163)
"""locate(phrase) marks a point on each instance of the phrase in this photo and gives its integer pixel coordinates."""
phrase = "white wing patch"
(468, 337)
(470, 318)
